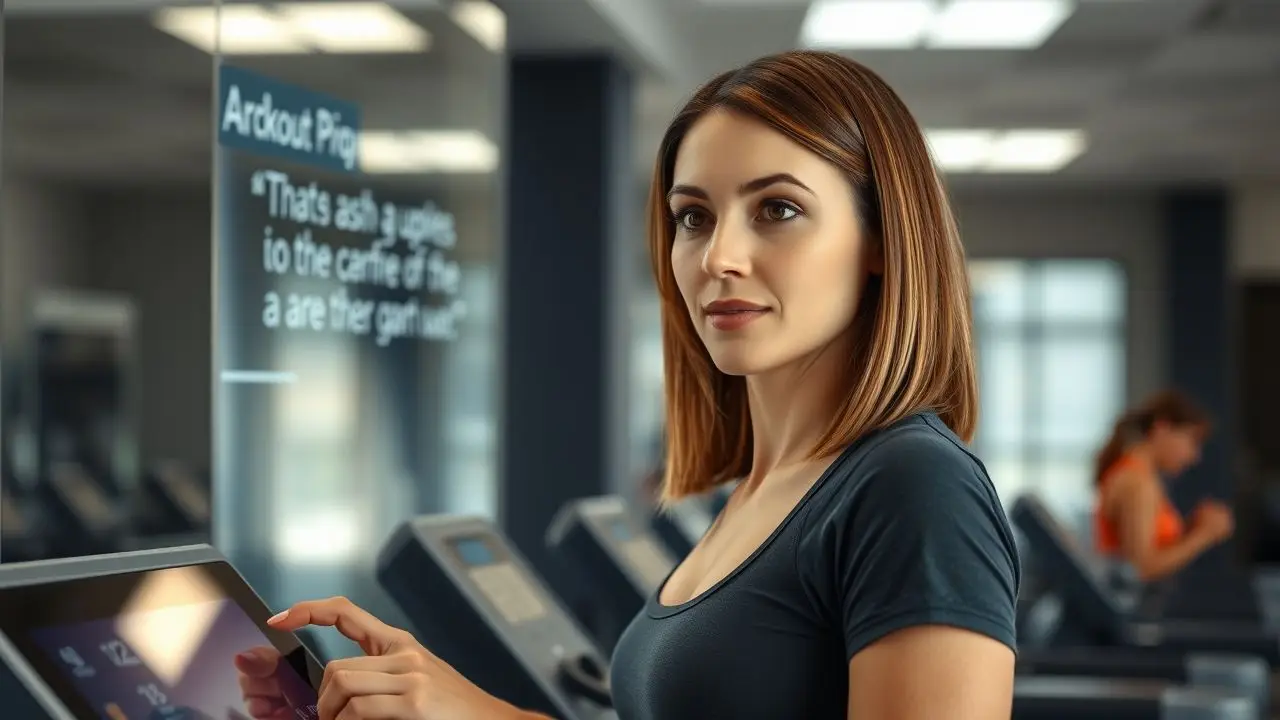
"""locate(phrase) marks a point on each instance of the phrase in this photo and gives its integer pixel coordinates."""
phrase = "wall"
(154, 246)
(1256, 231)
(1119, 224)
(42, 236)
(151, 247)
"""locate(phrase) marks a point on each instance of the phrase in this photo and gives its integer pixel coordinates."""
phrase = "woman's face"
(769, 252)
(1175, 447)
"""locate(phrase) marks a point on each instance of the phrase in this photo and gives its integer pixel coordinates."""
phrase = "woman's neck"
(792, 409)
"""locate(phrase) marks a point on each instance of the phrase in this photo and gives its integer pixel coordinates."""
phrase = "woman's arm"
(1137, 503)
(932, 671)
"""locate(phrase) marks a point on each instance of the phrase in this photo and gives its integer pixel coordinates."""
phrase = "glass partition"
(104, 283)
(356, 230)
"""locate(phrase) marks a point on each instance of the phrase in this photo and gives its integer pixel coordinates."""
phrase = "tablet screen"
(175, 644)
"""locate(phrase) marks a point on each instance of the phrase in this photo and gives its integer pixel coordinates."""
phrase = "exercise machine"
(611, 562)
(1090, 615)
(21, 538)
(174, 501)
(150, 635)
(84, 518)
(472, 596)
(478, 605)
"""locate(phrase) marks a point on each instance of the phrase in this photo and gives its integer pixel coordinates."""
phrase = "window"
(1051, 369)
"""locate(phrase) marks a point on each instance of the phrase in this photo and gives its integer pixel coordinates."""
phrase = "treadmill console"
(475, 602)
(172, 634)
(614, 562)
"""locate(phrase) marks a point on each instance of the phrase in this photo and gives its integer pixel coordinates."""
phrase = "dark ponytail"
(1168, 406)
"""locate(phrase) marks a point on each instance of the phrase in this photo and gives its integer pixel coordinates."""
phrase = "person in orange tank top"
(1134, 519)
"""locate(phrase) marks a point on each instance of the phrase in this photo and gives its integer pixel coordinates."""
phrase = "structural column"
(572, 228)
(1197, 228)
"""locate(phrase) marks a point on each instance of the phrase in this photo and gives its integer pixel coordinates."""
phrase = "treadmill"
(89, 520)
(1098, 617)
(21, 538)
(174, 501)
(611, 563)
(474, 599)
(148, 635)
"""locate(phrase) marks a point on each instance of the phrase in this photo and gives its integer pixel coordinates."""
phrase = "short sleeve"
(916, 536)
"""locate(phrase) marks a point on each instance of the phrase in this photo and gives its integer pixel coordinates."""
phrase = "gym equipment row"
(72, 513)
(123, 635)
(1093, 615)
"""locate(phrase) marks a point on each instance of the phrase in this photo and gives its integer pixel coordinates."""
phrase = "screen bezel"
(27, 608)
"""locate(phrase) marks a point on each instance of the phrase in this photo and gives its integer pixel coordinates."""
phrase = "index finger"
(371, 634)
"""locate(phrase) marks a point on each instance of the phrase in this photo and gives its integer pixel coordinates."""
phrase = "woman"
(1135, 520)
(818, 349)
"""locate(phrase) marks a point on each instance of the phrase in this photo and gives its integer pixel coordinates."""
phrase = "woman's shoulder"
(915, 466)
(910, 527)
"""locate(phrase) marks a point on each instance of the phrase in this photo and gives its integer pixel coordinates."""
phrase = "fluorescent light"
(245, 30)
(956, 24)
(295, 28)
(997, 24)
(354, 28)
(882, 24)
(960, 150)
(428, 151)
(1009, 151)
(1035, 150)
(484, 21)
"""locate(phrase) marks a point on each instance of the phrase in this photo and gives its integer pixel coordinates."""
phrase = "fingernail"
(277, 617)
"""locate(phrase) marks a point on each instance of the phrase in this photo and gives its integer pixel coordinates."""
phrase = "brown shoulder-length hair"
(914, 349)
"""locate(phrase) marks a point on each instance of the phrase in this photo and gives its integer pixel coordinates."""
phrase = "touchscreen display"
(619, 529)
(189, 662)
(474, 552)
(175, 648)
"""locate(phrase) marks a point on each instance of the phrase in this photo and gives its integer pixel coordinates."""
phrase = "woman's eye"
(690, 220)
(778, 212)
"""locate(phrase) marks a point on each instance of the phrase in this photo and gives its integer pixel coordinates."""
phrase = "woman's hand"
(264, 695)
(398, 679)
(1214, 519)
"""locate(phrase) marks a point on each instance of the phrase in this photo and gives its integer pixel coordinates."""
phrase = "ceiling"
(1166, 90)
(104, 97)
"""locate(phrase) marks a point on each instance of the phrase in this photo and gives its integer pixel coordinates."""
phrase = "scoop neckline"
(658, 610)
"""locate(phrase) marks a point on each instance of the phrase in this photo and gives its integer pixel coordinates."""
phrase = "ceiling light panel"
(1005, 151)
(483, 21)
(997, 24)
(428, 151)
(245, 30)
(354, 28)
(960, 150)
(1035, 150)
(935, 24)
(875, 24)
(290, 28)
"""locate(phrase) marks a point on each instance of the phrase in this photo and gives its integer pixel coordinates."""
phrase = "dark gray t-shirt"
(903, 529)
